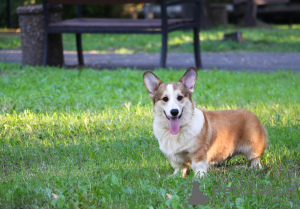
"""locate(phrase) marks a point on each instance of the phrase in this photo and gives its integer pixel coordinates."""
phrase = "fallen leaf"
(54, 196)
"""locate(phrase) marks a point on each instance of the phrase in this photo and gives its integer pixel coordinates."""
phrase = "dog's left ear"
(189, 79)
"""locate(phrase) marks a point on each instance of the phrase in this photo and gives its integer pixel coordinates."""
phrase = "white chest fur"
(173, 146)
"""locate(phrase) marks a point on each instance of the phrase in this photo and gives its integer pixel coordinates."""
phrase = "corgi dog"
(192, 137)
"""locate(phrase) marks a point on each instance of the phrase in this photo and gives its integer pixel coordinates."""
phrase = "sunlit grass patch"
(271, 39)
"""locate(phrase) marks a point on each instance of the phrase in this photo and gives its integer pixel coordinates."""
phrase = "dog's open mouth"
(174, 125)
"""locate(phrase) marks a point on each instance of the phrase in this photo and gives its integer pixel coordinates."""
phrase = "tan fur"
(205, 137)
(229, 132)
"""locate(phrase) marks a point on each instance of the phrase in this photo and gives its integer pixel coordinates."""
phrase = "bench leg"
(164, 48)
(197, 49)
(45, 57)
(250, 16)
(79, 49)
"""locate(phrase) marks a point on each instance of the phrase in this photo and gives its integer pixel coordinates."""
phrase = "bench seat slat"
(115, 23)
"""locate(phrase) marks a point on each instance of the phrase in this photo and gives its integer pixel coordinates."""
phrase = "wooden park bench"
(252, 10)
(161, 26)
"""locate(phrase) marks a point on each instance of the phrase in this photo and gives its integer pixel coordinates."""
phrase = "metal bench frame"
(164, 28)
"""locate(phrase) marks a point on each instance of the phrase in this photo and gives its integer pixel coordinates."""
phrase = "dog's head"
(172, 101)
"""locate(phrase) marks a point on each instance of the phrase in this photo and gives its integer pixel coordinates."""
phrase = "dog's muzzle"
(172, 114)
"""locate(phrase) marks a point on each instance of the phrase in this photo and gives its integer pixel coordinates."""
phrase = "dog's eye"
(179, 98)
(165, 99)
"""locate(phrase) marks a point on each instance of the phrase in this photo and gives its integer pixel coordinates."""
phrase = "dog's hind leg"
(254, 153)
(253, 156)
(254, 150)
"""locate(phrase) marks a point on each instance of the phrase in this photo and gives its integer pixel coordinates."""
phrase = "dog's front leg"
(177, 166)
(199, 168)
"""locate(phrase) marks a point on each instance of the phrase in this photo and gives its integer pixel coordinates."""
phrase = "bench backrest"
(85, 2)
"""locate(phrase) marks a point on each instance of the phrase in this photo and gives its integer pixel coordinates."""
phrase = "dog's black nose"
(174, 112)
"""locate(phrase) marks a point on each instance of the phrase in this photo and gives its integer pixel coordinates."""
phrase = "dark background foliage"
(68, 11)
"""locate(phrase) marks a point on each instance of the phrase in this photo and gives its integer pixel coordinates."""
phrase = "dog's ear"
(189, 79)
(151, 82)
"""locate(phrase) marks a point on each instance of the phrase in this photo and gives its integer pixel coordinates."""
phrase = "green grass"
(87, 137)
(9, 40)
(275, 39)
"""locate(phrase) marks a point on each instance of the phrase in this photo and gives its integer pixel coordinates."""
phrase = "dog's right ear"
(151, 82)
(189, 79)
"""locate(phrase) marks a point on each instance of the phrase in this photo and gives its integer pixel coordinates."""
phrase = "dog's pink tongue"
(174, 126)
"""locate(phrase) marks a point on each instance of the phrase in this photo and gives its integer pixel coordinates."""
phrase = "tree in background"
(13, 14)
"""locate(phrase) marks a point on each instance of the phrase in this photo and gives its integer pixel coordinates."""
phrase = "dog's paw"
(255, 164)
(199, 174)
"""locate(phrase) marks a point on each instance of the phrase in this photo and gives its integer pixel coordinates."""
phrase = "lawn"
(270, 39)
(86, 136)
